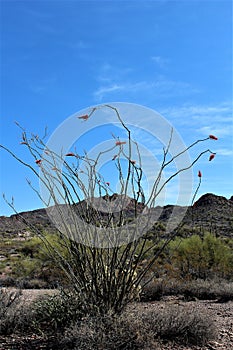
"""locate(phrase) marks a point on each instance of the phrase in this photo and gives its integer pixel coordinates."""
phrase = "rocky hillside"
(211, 212)
(214, 213)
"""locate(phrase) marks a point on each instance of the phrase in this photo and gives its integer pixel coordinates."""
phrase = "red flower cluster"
(119, 143)
(211, 157)
(84, 117)
(38, 161)
(212, 137)
(199, 174)
(107, 183)
(70, 154)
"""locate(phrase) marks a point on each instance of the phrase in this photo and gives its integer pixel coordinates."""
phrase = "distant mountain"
(214, 213)
(210, 213)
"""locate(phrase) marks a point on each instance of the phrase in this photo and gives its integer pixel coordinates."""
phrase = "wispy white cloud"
(193, 121)
(160, 61)
(42, 85)
(102, 91)
(160, 87)
(37, 14)
(219, 130)
(42, 20)
(225, 152)
(78, 45)
(115, 79)
(203, 113)
(110, 74)
(207, 119)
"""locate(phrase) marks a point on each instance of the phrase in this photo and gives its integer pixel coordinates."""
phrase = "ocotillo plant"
(107, 250)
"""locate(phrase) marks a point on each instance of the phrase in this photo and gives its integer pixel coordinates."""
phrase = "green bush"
(26, 267)
(201, 257)
(54, 313)
(31, 247)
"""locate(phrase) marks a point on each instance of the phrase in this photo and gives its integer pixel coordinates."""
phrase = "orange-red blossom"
(212, 137)
(119, 143)
(70, 154)
(84, 117)
(211, 157)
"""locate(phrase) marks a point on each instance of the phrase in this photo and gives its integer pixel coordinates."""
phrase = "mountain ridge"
(210, 212)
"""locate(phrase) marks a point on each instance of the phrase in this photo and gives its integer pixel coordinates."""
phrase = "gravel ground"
(222, 314)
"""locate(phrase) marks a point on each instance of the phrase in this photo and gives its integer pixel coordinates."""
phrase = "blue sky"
(60, 57)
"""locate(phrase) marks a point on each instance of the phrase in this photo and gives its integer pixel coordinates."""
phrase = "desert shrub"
(141, 329)
(26, 268)
(8, 281)
(108, 332)
(184, 325)
(31, 247)
(54, 313)
(154, 290)
(37, 264)
(217, 289)
(34, 283)
(46, 315)
(12, 316)
(8, 299)
(219, 256)
(201, 257)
